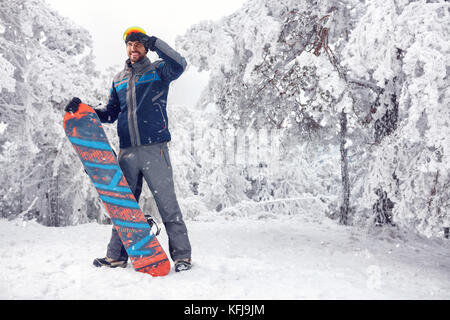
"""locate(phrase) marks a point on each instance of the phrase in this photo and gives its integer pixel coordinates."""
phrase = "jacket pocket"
(165, 154)
(163, 123)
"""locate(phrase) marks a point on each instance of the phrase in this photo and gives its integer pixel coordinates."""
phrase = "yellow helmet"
(132, 30)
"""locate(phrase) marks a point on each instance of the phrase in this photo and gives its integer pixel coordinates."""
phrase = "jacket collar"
(137, 66)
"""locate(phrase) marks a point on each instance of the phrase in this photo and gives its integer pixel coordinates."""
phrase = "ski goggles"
(132, 30)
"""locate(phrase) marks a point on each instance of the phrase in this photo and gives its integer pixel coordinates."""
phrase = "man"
(138, 101)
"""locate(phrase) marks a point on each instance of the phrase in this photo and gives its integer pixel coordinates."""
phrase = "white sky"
(106, 20)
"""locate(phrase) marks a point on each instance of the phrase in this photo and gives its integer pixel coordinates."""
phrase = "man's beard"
(136, 58)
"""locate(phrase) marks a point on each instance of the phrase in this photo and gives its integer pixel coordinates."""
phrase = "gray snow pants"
(152, 163)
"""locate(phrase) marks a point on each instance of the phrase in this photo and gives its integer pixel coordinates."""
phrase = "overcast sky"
(106, 20)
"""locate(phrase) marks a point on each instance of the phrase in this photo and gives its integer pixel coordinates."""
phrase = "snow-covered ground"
(296, 257)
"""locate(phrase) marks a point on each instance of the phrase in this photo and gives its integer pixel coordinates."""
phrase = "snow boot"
(182, 265)
(110, 263)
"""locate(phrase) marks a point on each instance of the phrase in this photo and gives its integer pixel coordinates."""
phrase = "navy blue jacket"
(138, 98)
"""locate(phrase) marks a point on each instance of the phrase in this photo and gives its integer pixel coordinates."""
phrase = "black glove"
(148, 42)
(72, 106)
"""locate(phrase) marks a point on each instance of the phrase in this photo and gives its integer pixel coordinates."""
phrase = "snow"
(297, 257)
(3, 127)
(265, 243)
(7, 80)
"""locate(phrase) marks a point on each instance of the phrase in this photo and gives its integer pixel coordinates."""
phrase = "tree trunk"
(344, 209)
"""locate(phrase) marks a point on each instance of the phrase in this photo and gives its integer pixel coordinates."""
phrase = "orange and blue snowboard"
(85, 132)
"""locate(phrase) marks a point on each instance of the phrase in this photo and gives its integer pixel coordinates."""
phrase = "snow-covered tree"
(402, 46)
(45, 60)
(365, 80)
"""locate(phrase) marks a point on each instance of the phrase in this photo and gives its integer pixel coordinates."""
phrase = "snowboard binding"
(154, 227)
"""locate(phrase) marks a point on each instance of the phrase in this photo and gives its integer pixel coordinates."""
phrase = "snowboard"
(85, 132)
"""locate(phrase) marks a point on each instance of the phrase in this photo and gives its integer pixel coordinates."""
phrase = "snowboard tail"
(85, 132)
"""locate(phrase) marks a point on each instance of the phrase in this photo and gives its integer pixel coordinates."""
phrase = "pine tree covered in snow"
(336, 107)
(257, 83)
(44, 61)
(410, 121)
(366, 81)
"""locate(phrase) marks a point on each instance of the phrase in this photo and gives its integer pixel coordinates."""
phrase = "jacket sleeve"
(110, 113)
(173, 64)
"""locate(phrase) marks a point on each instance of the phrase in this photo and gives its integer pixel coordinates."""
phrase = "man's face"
(135, 50)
